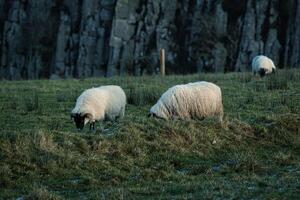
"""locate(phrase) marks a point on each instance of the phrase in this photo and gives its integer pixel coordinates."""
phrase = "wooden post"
(162, 62)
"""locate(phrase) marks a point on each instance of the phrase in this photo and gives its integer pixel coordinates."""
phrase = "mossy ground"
(254, 155)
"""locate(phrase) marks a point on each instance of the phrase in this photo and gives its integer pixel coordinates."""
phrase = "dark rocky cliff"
(83, 38)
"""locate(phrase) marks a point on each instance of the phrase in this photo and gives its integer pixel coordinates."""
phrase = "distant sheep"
(97, 104)
(190, 101)
(262, 65)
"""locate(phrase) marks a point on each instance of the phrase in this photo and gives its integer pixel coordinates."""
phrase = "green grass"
(254, 155)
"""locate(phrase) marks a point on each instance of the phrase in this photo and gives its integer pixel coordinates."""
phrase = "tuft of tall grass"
(14, 103)
(61, 96)
(31, 103)
(6, 175)
(249, 98)
(143, 95)
(245, 77)
(283, 158)
(294, 106)
(277, 81)
(258, 86)
(42, 193)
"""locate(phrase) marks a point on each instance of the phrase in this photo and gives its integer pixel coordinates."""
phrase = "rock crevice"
(85, 38)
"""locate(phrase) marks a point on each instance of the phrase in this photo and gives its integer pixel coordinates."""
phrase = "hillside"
(255, 155)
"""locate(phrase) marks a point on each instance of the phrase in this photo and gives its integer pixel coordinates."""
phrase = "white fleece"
(190, 101)
(262, 62)
(101, 103)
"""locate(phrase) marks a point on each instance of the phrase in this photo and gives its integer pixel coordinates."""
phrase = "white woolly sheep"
(97, 104)
(262, 65)
(190, 101)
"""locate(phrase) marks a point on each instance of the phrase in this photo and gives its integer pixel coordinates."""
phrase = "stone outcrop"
(292, 48)
(12, 52)
(85, 38)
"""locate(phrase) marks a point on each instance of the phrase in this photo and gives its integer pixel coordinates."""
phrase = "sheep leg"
(92, 126)
(122, 113)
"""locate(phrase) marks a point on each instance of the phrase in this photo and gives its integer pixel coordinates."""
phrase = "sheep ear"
(88, 115)
(87, 118)
(73, 115)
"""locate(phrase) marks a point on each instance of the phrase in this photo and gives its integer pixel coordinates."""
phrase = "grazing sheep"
(191, 101)
(262, 65)
(96, 104)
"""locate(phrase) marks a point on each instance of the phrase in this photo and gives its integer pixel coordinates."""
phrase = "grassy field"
(255, 155)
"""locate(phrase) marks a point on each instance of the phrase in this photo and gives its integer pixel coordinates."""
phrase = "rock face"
(84, 38)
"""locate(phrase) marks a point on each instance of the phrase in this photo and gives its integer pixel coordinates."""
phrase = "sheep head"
(262, 72)
(80, 119)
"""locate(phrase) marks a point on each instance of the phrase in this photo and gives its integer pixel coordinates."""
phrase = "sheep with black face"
(262, 65)
(97, 104)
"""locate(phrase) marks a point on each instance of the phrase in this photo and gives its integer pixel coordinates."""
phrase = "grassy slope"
(256, 154)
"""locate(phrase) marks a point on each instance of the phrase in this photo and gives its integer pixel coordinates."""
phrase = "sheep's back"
(193, 100)
(116, 99)
(200, 99)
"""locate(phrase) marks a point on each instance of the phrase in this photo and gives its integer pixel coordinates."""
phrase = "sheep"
(97, 104)
(262, 65)
(190, 101)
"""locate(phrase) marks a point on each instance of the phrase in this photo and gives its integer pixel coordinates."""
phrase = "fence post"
(162, 62)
